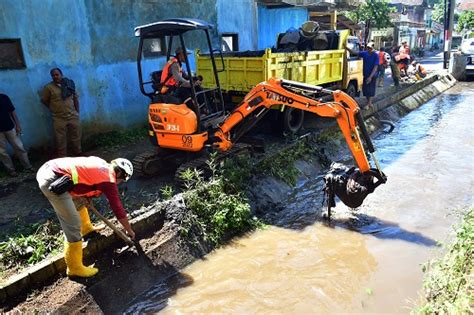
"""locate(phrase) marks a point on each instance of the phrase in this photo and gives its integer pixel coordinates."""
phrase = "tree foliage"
(438, 13)
(466, 21)
(375, 13)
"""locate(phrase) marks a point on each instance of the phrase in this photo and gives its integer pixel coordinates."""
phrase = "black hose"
(389, 123)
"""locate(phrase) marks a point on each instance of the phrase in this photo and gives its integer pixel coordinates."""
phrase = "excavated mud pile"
(125, 275)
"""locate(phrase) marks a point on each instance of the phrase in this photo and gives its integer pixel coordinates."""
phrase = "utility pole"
(449, 6)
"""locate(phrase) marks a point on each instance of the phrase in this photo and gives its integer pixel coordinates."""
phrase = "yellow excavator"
(183, 130)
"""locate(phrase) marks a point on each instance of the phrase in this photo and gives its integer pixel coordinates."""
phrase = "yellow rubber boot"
(73, 257)
(86, 225)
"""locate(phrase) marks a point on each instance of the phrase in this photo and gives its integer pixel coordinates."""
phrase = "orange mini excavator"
(184, 129)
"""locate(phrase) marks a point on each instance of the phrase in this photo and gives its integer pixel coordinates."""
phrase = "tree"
(374, 13)
(438, 13)
(466, 21)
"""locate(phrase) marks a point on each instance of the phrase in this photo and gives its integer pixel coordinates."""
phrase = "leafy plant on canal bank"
(448, 283)
(282, 164)
(218, 210)
(21, 250)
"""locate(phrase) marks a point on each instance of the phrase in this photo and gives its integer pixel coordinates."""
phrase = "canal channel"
(371, 267)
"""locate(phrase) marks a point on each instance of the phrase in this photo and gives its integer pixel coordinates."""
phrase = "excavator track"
(201, 162)
(149, 163)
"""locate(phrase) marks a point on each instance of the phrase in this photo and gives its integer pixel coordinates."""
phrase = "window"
(11, 54)
(154, 47)
(230, 42)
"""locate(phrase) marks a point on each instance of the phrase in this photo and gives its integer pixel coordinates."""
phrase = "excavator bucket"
(350, 185)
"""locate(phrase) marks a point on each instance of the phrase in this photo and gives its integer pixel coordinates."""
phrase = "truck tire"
(292, 119)
(351, 89)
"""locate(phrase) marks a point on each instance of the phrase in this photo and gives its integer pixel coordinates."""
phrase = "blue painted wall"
(274, 21)
(239, 16)
(93, 42)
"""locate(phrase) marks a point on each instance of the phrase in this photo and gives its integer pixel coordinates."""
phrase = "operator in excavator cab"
(65, 179)
(174, 82)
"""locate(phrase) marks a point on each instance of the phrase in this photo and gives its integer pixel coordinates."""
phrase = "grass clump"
(448, 284)
(282, 166)
(114, 138)
(219, 211)
(167, 192)
(19, 250)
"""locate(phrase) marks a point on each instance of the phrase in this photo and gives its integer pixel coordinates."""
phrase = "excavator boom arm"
(342, 107)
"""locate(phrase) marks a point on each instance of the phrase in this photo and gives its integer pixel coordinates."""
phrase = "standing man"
(61, 98)
(10, 130)
(63, 179)
(395, 73)
(371, 67)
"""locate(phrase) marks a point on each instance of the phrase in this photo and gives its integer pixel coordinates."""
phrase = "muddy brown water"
(371, 267)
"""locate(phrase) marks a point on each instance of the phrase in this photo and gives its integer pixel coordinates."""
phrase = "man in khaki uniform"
(62, 100)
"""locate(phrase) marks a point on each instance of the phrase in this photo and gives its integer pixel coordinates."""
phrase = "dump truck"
(239, 72)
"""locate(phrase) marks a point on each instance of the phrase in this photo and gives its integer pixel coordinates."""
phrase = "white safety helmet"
(125, 165)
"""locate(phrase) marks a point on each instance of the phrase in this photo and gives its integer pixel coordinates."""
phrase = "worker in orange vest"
(63, 179)
(174, 81)
(384, 59)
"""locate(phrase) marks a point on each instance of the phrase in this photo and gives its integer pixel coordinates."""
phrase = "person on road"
(383, 63)
(61, 98)
(63, 179)
(403, 58)
(10, 131)
(174, 81)
(395, 73)
(370, 69)
(419, 70)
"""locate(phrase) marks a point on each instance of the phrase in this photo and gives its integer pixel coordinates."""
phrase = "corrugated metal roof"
(313, 4)
(466, 5)
(407, 2)
(343, 22)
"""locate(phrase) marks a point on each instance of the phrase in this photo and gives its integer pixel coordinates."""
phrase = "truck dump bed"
(244, 70)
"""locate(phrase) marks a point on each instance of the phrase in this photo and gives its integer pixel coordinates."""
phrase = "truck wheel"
(292, 119)
(351, 90)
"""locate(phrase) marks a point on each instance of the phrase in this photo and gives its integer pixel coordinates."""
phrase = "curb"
(45, 271)
(420, 92)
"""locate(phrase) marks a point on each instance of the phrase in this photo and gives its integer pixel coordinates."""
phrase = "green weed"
(21, 250)
(282, 165)
(448, 282)
(218, 211)
(114, 138)
(167, 192)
